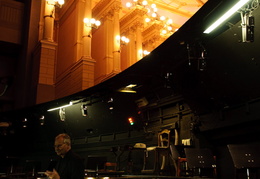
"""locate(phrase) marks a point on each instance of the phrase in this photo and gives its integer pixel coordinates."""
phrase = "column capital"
(106, 9)
(134, 18)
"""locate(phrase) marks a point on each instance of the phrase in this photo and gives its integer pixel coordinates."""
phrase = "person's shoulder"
(76, 156)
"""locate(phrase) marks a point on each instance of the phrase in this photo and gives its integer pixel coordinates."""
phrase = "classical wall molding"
(151, 36)
(11, 14)
(106, 9)
(135, 16)
(48, 44)
(11, 21)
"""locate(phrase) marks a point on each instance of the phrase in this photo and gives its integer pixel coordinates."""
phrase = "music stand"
(200, 158)
(245, 156)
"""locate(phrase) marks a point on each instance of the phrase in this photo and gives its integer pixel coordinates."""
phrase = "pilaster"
(108, 13)
(151, 36)
(45, 55)
(79, 77)
(132, 24)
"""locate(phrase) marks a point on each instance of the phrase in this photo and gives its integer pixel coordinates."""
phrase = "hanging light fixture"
(84, 109)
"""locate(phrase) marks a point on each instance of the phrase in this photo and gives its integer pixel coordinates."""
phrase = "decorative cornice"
(152, 34)
(11, 14)
(48, 44)
(106, 9)
(154, 40)
(132, 28)
(135, 15)
(152, 29)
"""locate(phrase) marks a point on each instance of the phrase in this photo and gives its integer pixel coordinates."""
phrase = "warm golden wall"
(66, 45)
(98, 53)
(84, 58)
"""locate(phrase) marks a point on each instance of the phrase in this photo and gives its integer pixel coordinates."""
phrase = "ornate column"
(87, 31)
(133, 24)
(108, 61)
(78, 74)
(49, 16)
(117, 64)
(85, 64)
(152, 37)
(45, 54)
(137, 28)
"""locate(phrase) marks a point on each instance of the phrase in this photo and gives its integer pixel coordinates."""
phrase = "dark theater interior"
(189, 109)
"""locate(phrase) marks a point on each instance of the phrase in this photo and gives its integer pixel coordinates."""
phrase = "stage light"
(24, 122)
(84, 110)
(225, 16)
(128, 89)
(110, 104)
(64, 106)
(62, 114)
(41, 119)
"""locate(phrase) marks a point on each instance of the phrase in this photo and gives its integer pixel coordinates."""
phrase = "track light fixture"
(62, 114)
(225, 16)
(41, 120)
(84, 109)
(66, 105)
(110, 104)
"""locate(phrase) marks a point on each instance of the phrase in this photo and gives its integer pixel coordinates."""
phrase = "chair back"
(164, 138)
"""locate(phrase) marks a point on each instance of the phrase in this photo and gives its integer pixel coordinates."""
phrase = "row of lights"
(122, 40)
(93, 23)
(153, 10)
(144, 52)
(153, 16)
(84, 110)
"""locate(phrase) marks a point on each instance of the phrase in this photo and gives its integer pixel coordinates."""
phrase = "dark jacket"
(71, 166)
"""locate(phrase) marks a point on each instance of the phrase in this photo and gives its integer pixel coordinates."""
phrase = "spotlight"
(41, 119)
(25, 122)
(62, 114)
(168, 80)
(84, 110)
(110, 103)
(202, 61)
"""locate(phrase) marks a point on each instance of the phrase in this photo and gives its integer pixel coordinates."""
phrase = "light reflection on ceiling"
(178, 10)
